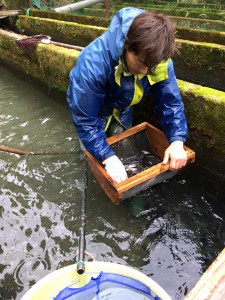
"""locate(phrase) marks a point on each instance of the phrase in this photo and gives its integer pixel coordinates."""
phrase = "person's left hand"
(175, 155)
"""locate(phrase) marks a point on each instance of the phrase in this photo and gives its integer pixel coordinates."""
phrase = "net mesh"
(30, 43)
(136, 153)
(109, 286)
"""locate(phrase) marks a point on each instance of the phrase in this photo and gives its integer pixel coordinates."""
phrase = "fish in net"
(138, 163)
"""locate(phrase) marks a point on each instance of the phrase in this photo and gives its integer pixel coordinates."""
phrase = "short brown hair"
(151, 36)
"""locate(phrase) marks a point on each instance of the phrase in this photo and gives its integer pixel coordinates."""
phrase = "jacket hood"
(118, 29)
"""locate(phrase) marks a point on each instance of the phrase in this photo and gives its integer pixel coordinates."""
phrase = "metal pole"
(107, 9)
(82, 240)
(76, 6)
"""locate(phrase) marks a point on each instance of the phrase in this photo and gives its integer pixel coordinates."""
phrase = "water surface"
(177, 234)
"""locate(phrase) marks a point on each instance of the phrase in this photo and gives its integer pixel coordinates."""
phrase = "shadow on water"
(173, 234)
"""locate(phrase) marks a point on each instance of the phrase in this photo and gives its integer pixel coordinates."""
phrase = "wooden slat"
(147, 174)
(9, 13)
(125, 134)
(10, 34)
(157, 140)
(211, 286)
(103, 178)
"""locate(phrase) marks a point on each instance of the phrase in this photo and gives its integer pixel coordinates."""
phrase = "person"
(113, 73)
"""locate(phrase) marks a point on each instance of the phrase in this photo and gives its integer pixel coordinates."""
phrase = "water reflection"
(178, 231)
(38, 203)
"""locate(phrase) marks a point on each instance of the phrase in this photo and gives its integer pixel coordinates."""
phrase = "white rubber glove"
(115, 168)
(176, 155)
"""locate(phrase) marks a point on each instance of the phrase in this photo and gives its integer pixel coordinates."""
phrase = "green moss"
(49, 63)
(205, 110)
(204, 14)
(66, 17)
(67, 32)
(198, 23)
(212, 95)
(203, 56)
(182, 32)
(56, 63)
(205, 36)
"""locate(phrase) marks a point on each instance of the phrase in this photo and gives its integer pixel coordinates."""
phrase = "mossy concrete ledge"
(206, 36)
(205, 107)
(205, 24)
(88, 20)
(66, 32)
(204, 14)
(194, 56)
(205, 111)
(198, 23)
(48, 63)
(201, 63)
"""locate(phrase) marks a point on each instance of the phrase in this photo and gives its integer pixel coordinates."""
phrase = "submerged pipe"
(76, 6)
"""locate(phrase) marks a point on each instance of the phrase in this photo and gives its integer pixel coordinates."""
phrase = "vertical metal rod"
(82, 240)
(107, 9)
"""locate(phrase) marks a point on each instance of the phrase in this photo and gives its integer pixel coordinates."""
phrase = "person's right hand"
(115, 168)
(175, 155)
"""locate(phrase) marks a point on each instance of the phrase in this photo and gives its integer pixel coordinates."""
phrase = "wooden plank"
(142, 176)
(211, 285)
(125, 134)
(157, 140)
(10, 34)
(9, 13)
(148, 173)
(103, 178)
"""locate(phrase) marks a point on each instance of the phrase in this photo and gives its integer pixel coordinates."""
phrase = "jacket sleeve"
(85, 96)
(169, 107)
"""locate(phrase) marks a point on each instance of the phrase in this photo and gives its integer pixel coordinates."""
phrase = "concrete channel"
(201, 85)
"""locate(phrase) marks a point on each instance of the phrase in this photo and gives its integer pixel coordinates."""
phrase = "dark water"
(177, 234)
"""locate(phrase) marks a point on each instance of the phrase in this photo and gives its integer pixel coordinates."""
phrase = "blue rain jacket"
(93, 92)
